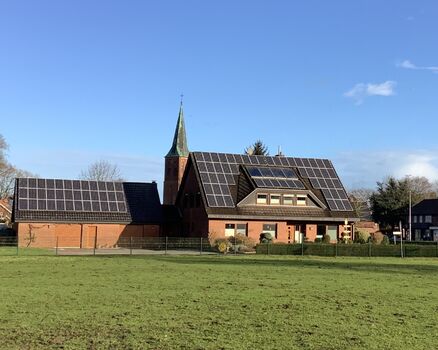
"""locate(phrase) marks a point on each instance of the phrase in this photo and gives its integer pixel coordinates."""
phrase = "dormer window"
(301, 200)
(275, 199)
(288, 199)
(262, 199)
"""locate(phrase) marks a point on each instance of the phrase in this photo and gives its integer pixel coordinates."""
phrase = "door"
(300, 232)
(332, 231)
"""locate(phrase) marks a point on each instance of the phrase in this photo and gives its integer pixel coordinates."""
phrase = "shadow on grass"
(361, 264)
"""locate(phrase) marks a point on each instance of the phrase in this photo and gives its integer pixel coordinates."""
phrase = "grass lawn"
(214, 302)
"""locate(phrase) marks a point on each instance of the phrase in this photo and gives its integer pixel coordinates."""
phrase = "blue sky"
(353, 81)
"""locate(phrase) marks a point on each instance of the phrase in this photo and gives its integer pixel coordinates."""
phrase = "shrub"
(266, 237)
(326, 239)
(318, 240)
(377, 237)
(385, 240)
(222, 245)
(242, 243)
(361, 237)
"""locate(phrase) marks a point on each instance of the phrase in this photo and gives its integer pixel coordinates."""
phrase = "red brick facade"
(47, 235)
(174, 171)
(287, 232)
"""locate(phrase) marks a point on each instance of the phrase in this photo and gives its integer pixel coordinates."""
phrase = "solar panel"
(269, 172)
(68, 195)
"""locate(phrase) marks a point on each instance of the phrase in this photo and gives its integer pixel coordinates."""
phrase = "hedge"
(364, 250)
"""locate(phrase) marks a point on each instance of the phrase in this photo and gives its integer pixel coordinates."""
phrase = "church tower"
(175, 161)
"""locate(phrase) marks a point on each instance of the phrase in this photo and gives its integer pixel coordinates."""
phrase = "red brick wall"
(195, 221)
(173, 172)
(45, 235)
(285, 230)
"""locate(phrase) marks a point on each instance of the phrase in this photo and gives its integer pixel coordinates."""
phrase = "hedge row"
(365, 250)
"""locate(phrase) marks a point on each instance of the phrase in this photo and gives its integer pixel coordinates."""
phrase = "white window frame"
(260, 201)
(278, 199)
(290, 197)
(300, 201)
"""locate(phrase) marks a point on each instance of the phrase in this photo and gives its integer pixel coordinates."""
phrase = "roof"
(426, 207)
(58, 200)
(179, 145)
(226, 179)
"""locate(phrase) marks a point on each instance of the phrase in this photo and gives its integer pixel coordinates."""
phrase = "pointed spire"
(179, 146)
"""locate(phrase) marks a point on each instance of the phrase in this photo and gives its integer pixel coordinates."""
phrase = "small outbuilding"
(81, 214)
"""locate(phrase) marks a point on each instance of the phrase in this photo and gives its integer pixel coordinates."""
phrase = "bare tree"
(360, 200)
(102, 170)
(8, 174)
(420, 187)
(3, 149)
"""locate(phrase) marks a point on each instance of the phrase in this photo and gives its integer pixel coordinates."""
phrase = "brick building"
(425, 220)
(80, 214)
(219, 194)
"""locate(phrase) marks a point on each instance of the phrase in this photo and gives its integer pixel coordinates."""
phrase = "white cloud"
(360, 91)
(406, 64)
(364, 169)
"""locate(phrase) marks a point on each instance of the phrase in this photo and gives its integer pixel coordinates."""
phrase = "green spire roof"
(179, 146)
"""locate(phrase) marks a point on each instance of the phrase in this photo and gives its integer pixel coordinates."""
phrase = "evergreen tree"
(390, 203)
(257, 149)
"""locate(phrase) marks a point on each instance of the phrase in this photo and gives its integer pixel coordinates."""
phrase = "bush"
(361, 237)
(222, 245)
(377, 237)
(242, 243)
(385, 240)
(326, 239)
(266, 237)
(318, 240)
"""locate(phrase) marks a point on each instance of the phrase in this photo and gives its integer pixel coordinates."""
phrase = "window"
(242, 229)
(320, 231)
(301, 200)
(229, 230)
(275, 199)
(420, 219)
(262, 199)
(428, 219)
(270, 228)
(415, 219)
(288, 199)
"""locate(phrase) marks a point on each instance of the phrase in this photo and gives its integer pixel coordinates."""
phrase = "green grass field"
(216, 302)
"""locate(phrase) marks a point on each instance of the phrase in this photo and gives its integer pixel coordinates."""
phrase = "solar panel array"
(71, 195)
(274, 177)
(218, 172)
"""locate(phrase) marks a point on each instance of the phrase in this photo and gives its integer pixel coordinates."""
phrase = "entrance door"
(332, 231)
(90, 237)
(300, 232)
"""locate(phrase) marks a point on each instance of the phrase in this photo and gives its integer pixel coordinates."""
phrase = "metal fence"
(124, 246)
(361, 250)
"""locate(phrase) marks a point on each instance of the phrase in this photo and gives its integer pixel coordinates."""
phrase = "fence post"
(56, 249)
(165, 247)
(369, 248)
(268, 247)
(437, 248)
(336, 249)
(95, 243)
(19, 242)
(200, 251)
(130, 245)
(302, 244)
